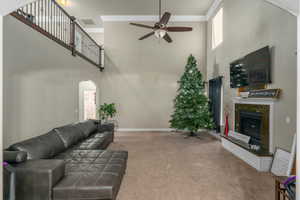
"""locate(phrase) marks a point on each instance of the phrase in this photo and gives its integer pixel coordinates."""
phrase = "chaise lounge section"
(68, 163)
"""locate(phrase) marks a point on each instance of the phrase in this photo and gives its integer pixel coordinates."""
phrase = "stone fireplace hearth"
(253, 117)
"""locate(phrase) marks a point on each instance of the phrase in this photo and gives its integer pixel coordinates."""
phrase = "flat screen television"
(252, 70)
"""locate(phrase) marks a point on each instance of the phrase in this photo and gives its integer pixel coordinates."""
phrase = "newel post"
(72, 36)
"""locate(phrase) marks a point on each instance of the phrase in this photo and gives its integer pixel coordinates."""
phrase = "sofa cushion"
(41, 147)
(70, 135)
(96, 142)
(91, 174)
(87, 127)
(87, 186)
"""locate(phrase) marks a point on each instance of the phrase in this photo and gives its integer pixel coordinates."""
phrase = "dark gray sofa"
(67, 163)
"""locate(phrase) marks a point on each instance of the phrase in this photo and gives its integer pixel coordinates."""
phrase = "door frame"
(81, 90)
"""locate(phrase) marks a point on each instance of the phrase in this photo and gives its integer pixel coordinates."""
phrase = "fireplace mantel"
(259, 101)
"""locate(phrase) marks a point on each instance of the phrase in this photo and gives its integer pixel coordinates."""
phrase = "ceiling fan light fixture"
(160, 33)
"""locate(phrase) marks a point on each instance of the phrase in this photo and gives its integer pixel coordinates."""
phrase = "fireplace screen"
(253, 120)
(251, 124)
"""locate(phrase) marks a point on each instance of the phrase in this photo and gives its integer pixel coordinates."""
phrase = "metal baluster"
(54, 15)
(38, 13)
(31, 11)
(48, 16)
(51, 9)
(43, 14)
(26, 9)
(35, 12)
(63, 29)
(60, 25)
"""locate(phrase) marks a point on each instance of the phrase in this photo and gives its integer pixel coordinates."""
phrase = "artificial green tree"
(191, 108)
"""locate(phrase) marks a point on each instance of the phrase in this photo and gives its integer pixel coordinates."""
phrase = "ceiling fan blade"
(168, 38)
(146, 36)
(179, 29)
(165, 18)
(142, 25)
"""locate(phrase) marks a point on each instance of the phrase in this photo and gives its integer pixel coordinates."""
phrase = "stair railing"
(51, 20)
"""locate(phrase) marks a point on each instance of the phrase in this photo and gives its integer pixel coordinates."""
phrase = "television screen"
(252, 70)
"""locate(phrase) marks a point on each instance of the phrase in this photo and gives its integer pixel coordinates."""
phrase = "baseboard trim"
(144, 130)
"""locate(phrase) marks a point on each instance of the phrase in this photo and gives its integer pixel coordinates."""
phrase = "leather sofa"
(67, 163)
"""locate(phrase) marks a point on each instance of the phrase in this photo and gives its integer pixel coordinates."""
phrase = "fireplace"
(253, 117)
(253, 120)
(250, 125)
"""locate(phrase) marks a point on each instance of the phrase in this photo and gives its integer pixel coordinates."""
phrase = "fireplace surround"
(254, 117)
(253, 120)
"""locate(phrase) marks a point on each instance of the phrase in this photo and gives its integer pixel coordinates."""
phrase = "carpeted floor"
(165, 166)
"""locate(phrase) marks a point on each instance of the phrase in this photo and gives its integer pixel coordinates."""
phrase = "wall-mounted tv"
(252, 70)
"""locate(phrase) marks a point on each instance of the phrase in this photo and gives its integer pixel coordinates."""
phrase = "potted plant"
(107, 111)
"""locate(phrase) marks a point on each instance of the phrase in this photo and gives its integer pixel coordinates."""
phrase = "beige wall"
(248, 26)
(98, 37)
(141, 76)
(41, 82)
(1, 102)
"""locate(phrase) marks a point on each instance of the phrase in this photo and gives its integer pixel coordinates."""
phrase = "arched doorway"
(87, 100)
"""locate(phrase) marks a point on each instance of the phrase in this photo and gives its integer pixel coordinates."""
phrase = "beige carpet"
(165, 166)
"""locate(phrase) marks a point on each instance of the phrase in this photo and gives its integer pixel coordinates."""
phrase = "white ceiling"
(92, 9)
(138, 7)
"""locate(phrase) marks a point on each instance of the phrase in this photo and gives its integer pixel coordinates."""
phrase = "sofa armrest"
(106, 127)
(36, 178)
(9, 182)
(110, 127)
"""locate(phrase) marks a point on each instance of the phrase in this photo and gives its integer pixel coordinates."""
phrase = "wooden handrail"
(51, 20)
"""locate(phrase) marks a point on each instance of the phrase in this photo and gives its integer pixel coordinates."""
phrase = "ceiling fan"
(160, 29)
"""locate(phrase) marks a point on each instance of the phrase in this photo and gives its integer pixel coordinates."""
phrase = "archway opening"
(87, 100)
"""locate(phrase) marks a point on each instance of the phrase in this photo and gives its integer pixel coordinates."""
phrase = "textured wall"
(41, 82)
(141, 76)
(248, 26)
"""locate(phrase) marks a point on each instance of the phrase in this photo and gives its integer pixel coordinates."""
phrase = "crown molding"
(94, 30)
(184, 18)
(152, 18)
(283, 6)
(212, 10)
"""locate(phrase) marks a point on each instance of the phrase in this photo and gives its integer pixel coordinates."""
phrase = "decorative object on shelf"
(160, 29)
(268, 93)
(107, 111)
(191, 109)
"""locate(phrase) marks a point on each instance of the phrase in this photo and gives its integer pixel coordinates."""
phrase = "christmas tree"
(191, 104)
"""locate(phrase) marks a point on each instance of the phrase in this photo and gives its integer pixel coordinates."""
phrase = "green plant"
(106, 111)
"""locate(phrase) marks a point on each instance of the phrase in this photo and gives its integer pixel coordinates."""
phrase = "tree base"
(191, 134)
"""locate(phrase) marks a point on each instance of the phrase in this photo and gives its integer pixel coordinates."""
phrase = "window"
(217, 29)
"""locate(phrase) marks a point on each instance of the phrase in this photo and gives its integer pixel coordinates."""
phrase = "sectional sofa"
(67, 163)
